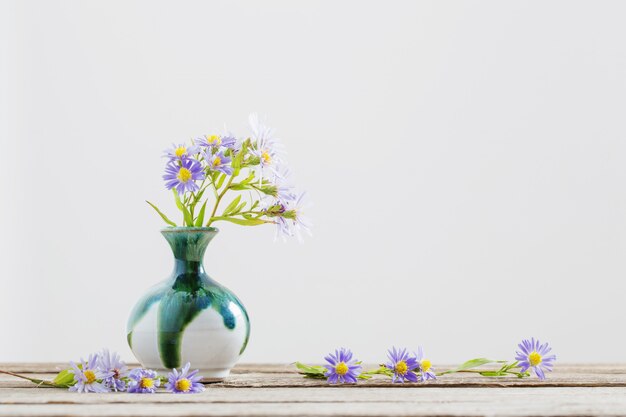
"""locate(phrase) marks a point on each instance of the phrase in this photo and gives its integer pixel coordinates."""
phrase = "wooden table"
(256, 390)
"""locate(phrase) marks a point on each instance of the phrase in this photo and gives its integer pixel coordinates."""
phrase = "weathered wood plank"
(329, 402)
(22, 396)
(564, 376)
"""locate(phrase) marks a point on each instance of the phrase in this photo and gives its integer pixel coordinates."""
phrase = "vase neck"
(188, 246)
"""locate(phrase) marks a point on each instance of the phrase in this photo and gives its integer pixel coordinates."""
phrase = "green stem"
(382, 370)
(218, 199)
(34, 380)
(246, 212)
(226, 218)
(214, 187)
(195, 197)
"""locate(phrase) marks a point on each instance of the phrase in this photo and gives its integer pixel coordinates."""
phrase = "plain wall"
(465, 160)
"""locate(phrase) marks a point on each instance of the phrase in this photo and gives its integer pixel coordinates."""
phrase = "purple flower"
(180, 151)
(342, 367)
(290, 219)
(228, 140)
(184, 382)
(533, 355)
(182, 175)
(402, 364)
(113, 370)
(143, 381)
(425, 366)
(87, 376)
(218, 162)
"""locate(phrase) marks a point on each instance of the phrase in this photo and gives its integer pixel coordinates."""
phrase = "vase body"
(189, 317)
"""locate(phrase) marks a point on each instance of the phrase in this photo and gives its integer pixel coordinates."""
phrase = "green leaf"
(231, 207)
(220, 181)
(472, 363)
(64, 378)
(249, 179)
(268, 190)
(241, 207)
(198, 197)
(163, 216)
(240, 187)
(237, 161)
(179, 203)
(242, 222)
(181, 207)
(254, 160)
(200, 218)
(310, 370)
(492, 373)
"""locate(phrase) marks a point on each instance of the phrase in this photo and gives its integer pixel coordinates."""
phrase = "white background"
(466, 161)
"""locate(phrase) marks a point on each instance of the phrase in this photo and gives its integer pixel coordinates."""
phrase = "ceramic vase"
(189, 317)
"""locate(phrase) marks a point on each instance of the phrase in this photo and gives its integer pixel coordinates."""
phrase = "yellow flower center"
(184, 175)
(341, 368)
(90, 375)
(217, 161)
(534, 359)
(425, 365)
(401, 367)
(146, 383)
(180, 151)
(214, 139)
(266, 157)
(183, 385)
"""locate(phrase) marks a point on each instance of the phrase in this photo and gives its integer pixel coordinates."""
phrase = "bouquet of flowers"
(213, 166)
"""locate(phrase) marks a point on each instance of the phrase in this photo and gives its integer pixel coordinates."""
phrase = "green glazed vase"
(189, 317)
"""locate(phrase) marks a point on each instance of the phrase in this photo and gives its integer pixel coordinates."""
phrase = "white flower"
(266, 147)
(293, 221)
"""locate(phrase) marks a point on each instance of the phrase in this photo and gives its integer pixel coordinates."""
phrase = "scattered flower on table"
(184, 382)
(113, 370)
(342, 367)
(425, 366)
(402, 364)
(533, 355)
(143, 381)
(105, 372)
(86, 376)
